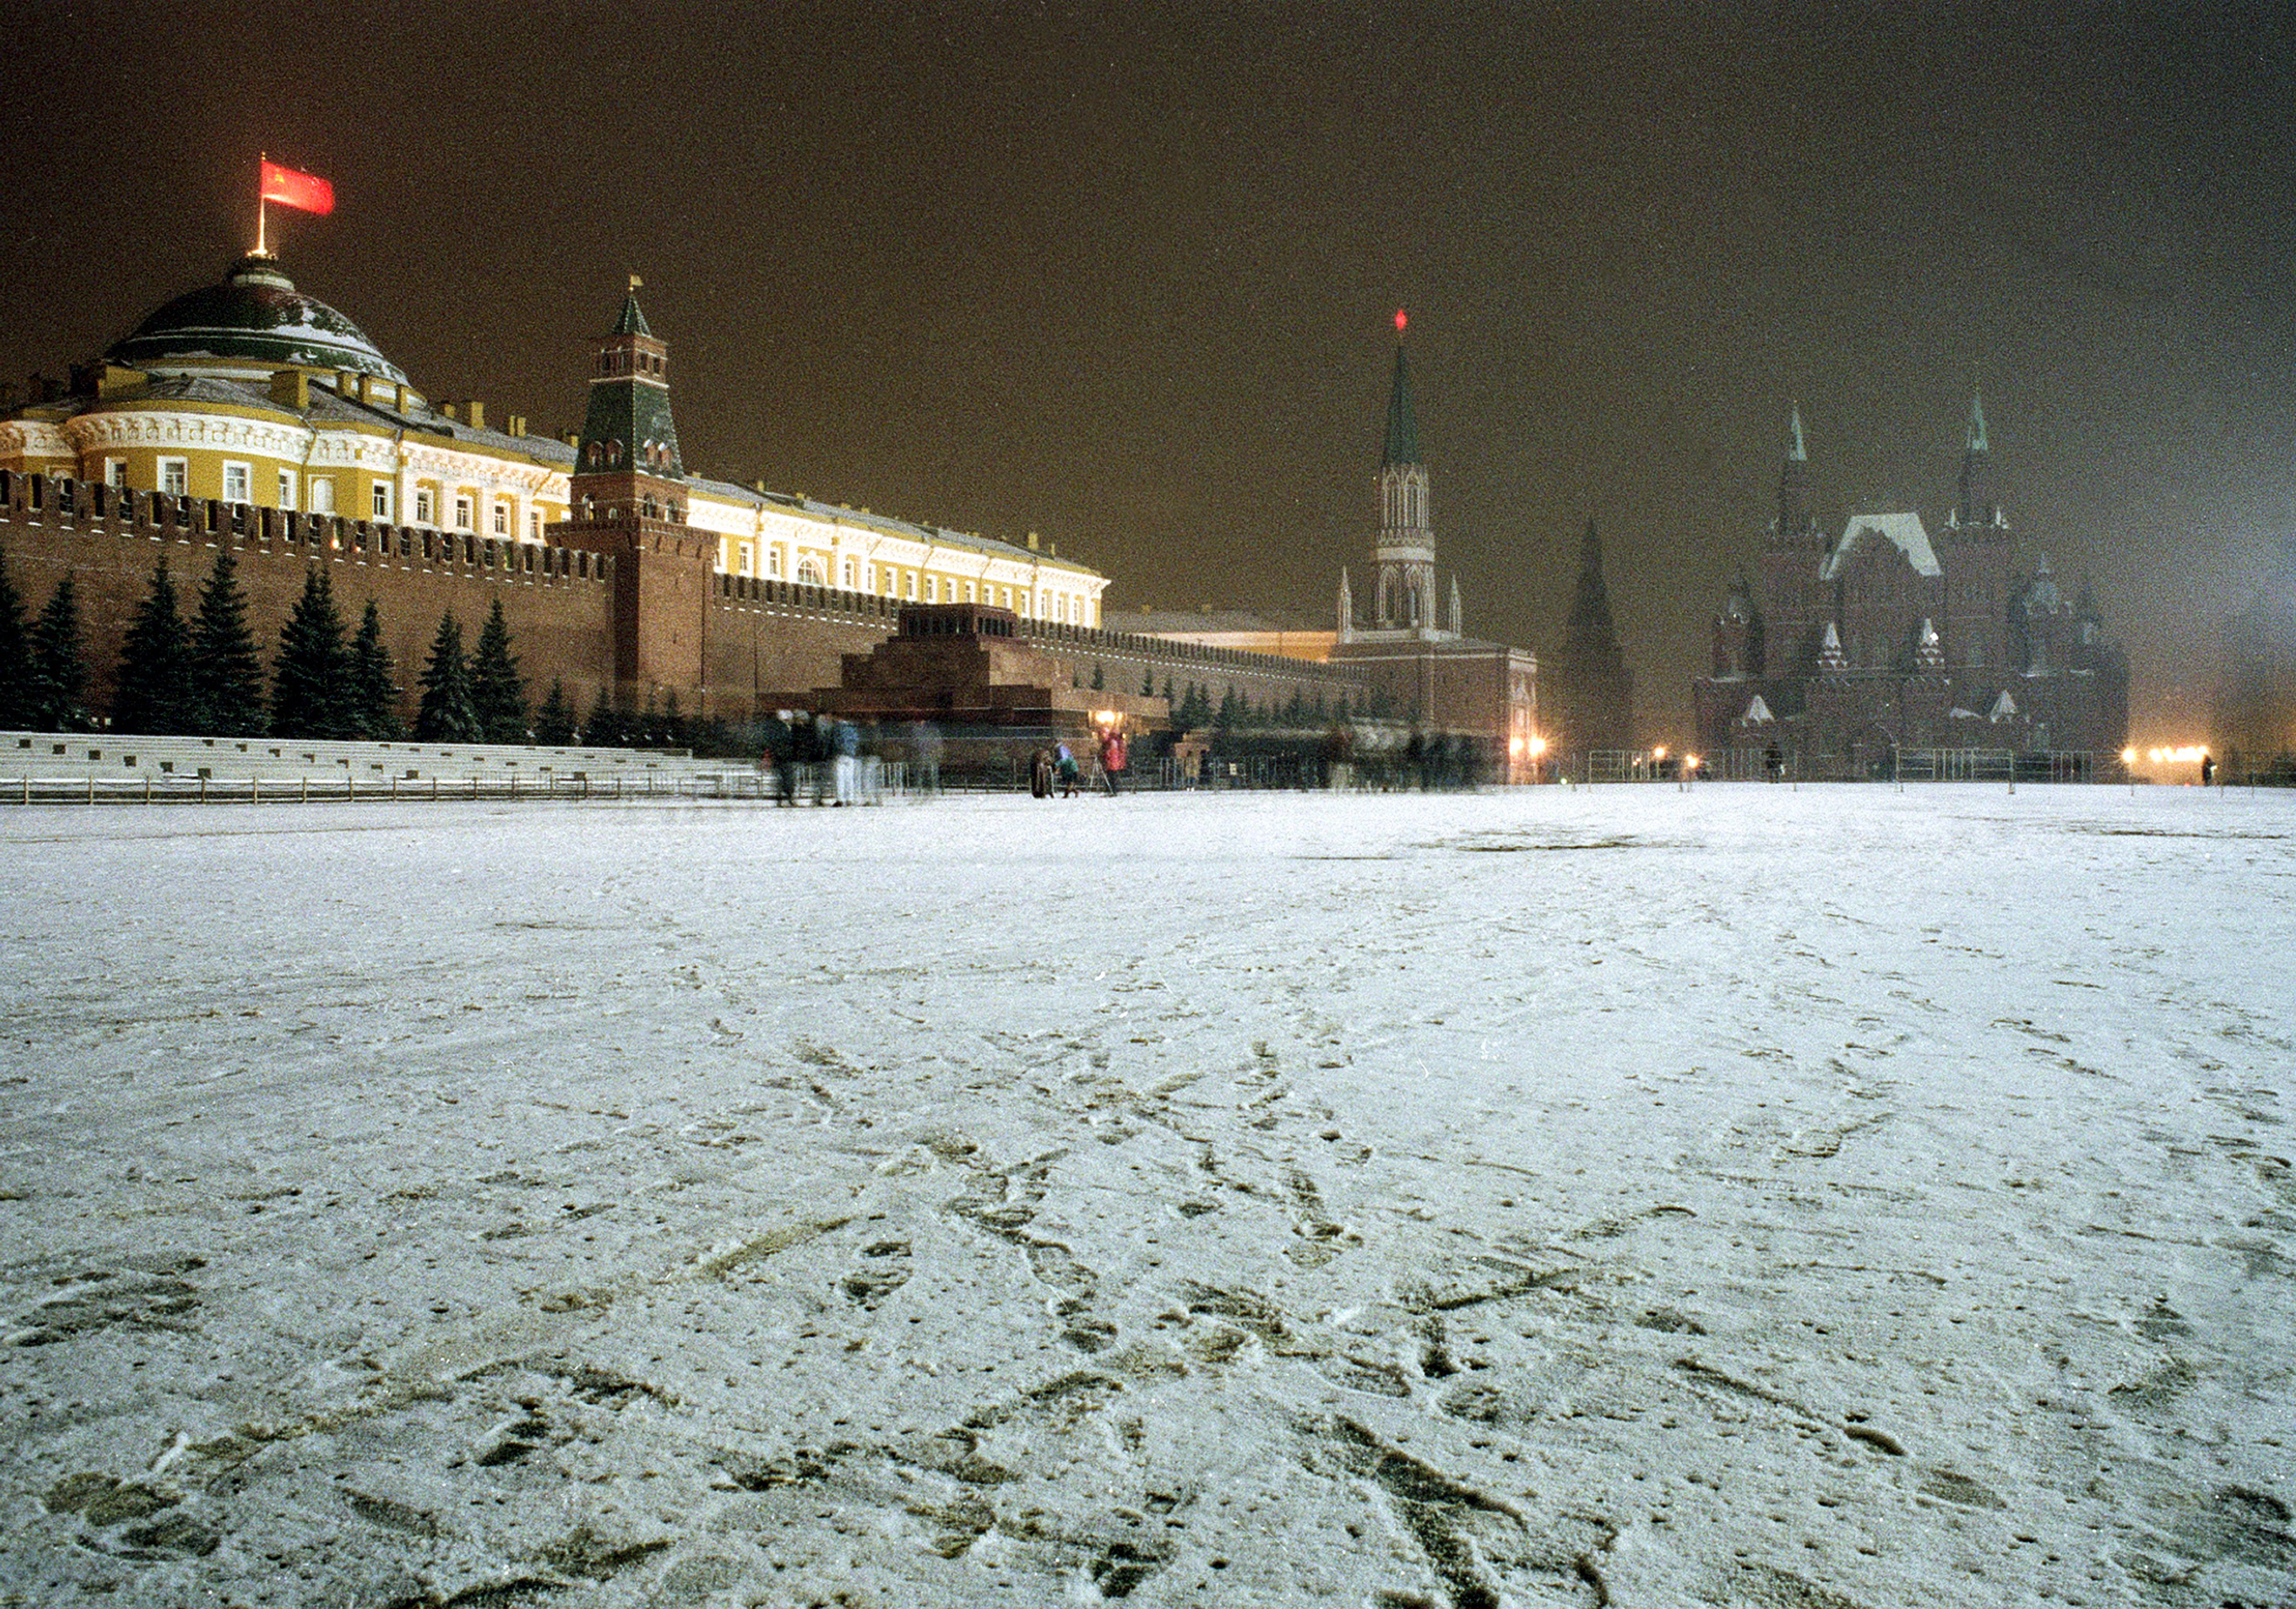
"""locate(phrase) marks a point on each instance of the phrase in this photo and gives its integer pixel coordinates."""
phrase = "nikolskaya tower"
(1402, 558)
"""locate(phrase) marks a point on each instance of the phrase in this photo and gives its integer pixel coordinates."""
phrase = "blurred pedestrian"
(1064, 763)
(1040, 773)
(925, 751)
(1111, 758)
(845, 757)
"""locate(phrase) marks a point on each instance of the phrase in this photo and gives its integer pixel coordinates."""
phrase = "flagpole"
(262, 217)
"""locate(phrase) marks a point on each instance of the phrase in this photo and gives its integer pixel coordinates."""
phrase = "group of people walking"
(827, 759)
(1058, 767)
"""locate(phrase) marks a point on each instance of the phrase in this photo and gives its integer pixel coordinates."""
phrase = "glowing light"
(1402, 319)
(1538, 745)
(1690, 762)
(2128, 756)
(1659, 752)
(2190, 754)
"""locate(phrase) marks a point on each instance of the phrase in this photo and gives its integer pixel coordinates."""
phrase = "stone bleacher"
(36, 766)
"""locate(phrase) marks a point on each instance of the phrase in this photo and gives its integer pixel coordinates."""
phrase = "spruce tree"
(310, 679)
(553, 720)
(153, 692)
(497, 692)
(1148, 684)
(227, 673)
(1168, 694)
(373, 681)
(1099, 679)
(445, 715)
(59, 670)
(604, 729)
(15, 658)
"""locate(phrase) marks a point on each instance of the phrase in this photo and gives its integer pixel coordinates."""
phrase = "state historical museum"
(1893, 649)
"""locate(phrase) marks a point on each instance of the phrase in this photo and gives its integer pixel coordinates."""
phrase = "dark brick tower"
(1792, 559)
(1974, 551)
(628, 490)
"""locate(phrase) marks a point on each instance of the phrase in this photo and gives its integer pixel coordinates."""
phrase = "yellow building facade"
(250, 392)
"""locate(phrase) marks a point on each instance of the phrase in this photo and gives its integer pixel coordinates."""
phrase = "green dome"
(255, 317)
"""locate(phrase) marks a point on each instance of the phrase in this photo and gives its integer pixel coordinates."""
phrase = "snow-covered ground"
(1751, 1196)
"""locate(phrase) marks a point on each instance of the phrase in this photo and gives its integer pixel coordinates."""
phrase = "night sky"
(1126, 276)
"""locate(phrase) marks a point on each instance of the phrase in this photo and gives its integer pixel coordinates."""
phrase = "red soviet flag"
(289, 188)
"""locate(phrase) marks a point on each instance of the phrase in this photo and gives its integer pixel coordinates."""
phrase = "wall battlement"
(77, 506)
(765, 642)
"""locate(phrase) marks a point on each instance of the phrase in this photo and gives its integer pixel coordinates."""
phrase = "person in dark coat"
(1040, 774)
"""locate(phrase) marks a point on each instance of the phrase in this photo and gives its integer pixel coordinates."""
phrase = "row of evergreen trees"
(1194, 709)
(204, 676)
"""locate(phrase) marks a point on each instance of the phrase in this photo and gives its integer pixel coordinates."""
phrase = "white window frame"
(287, 489)
(748, 559)
(932, 590)
(174, 477)
(773, 560)
(465, 510)
(968, 592)
(851, 574)
(425, 507)
(534, 525)
(115, 473)
(501, 518)
(909, 586)
(323, 495)
(239, 474)
(380, 502)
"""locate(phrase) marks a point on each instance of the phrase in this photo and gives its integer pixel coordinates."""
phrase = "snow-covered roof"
(1757, 712)
(2005, 708)
(1903, 530)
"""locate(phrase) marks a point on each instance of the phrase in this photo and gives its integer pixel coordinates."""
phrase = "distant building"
(1848, 650)
(1586, 694)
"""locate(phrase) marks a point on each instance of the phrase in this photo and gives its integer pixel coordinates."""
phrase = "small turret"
(1975, 506)
(1795, 523)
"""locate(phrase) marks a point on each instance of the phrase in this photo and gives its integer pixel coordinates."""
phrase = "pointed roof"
(632, 322)
(1977, 443)
(1903, 529)
(1796, 451)
(1757, 711)
(1589, 627)
(1402, 428)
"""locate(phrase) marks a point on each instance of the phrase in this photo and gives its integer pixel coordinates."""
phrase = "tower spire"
(1976, 505)
(1794, 520)
(1404, 556)
(1402, 426)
